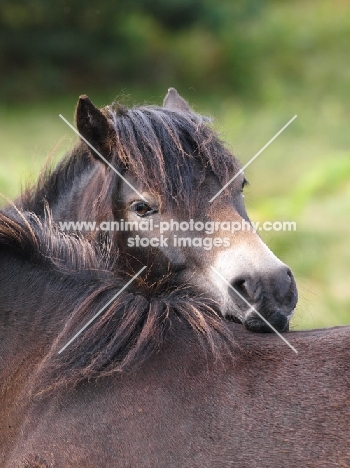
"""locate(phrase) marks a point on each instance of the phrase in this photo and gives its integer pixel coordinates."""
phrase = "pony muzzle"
(266, 303)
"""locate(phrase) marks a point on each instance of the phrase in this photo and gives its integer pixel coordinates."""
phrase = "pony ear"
(173, 101)
(93, 125)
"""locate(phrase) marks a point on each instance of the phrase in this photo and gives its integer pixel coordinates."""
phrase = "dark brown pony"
(169, 165)
(248, 402)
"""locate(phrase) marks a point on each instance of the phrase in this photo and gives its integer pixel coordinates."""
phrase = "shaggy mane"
(41, 242)
(129, 331)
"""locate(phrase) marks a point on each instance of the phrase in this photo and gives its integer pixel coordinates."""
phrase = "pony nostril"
(288, 279)
(240, 285)
(284, 284)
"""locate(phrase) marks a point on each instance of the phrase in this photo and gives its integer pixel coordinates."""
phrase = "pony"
(202, 391)
(162, 166)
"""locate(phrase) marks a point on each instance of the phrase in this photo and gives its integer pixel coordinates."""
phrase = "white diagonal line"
(254, 157)
(103, 158)
(254, 309)
(100, 311)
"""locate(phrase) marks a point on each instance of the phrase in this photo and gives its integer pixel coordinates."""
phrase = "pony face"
(169, 166)
(214, 249)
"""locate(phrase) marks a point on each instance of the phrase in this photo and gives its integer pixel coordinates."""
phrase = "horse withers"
(164, 165)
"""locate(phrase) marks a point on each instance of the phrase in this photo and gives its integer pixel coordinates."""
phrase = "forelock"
(169, 152)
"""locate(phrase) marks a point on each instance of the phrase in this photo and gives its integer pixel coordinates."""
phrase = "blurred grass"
(303, 176)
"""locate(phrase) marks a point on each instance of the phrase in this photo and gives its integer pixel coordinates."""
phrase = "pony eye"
(141, 208)
(244, 184)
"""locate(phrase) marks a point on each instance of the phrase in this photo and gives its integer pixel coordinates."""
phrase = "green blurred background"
(251, 64)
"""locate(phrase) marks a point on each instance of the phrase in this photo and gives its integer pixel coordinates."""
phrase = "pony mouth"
(276, 321)
(254, 323)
